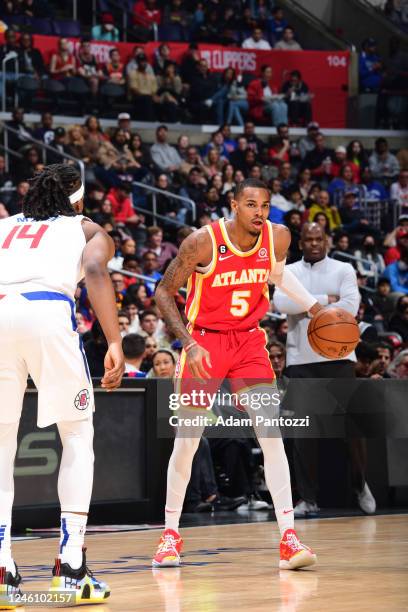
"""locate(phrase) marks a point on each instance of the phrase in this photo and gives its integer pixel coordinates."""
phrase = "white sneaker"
(366, 500)
(253, 504)
(304, 509)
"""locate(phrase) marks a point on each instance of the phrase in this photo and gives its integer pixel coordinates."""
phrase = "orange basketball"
(333, 333)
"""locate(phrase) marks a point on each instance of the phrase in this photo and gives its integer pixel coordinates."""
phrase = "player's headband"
(77, 195)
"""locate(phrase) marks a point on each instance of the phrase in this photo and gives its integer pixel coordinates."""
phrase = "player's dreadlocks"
(49, 190)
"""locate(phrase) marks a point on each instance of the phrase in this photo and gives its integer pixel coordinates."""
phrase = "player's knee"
(78, 437)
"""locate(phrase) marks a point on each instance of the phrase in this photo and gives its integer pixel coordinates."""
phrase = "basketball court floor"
(363, 566)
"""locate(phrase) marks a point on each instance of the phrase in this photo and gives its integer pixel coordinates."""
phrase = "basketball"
(333, 333)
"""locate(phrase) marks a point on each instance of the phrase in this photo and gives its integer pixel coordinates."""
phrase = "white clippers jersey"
(41, 255)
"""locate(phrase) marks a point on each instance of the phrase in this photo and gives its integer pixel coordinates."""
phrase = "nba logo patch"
(81, 401)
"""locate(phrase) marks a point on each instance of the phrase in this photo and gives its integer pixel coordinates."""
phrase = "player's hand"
(315, 308)
(114, 367)
(333, 299)
(197, 356)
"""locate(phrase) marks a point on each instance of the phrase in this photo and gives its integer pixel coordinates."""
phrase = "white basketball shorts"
(38, 337)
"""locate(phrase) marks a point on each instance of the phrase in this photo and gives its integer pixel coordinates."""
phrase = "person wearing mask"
(369, 253)
(106, 30)
(332, 282)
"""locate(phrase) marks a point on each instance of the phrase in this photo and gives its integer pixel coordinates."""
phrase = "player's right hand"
(114, 367)
(197, 356)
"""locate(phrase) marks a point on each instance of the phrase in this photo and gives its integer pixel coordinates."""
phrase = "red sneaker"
(169, 549)
(294, 554)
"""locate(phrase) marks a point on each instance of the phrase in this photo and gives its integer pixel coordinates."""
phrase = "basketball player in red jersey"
(228, 265)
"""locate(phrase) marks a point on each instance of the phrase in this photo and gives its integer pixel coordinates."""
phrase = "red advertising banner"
(325, 72)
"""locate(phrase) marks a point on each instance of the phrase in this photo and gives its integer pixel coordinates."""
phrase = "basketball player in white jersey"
(44, 252)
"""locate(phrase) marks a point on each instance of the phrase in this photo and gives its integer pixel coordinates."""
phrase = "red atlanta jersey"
(232, 292)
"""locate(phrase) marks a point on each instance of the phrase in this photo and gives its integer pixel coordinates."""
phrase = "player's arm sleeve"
(293, 289)
(348, 292)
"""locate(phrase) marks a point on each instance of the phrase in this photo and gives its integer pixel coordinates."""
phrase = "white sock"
(6, 560)
(73, 527)
(277, 478)
(178, 477)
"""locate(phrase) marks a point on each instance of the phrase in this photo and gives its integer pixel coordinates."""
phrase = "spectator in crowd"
(293, 221)
(353, 220)
(134, 347)
(308, 143)
(344, 182)
(95, 349)
(17, 124)
(398, 238)
(357, 155)
(149, 325)
(369, 252)
(63, 64)
(164, 364)
(142, 87)
(30, 59)
(342, 245)
(399, 366)
(146, 14)
(339, 161)
(263, 100)
(88, 67)
(253, 141)
(383, 164)
(399, 191)
(385, 355)
(150, 270)
(114, 69)
(237, 101)
(28, 166)
(94, 137)
(323, 206)
(124, 322)
(383, 302)
(319, 159)
(6, 181)
(161, 59)
(59, 146)
(169, 94)
(15, 204)
(256, 41)
(122, 208)
(45, 132)
(288, 42)
(374, 191)
(106, 31)
(165, 156)
(277, 356)
(76, 143)
(370, 66)
(279, 204)
(297, 98)
(164, 251)
(277, 24)
(10, 46)
(203, 86)
(397, 274)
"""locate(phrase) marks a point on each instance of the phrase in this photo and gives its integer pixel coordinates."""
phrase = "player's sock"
(8, 447)
(73, 527)
(6, 560)
(178, 477)
(277, 478)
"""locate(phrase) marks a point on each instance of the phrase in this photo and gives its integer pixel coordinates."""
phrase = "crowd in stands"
(339, 189)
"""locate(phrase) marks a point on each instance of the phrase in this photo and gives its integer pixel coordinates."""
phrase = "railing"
(11, 56)
(156, 190)
(44, 147)
(370, 263)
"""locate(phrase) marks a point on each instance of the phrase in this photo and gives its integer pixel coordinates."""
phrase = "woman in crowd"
(356, 154)
(164, 364)
(305, 183)
(168, 95)
(237, 101)
(228, 178)
(76, 143)
(369, 252)
(94, 137)
(213, 163)
(322, 219)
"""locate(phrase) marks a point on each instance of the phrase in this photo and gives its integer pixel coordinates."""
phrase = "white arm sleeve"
(289, 284)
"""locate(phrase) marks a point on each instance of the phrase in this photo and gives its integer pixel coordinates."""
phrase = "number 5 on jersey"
(239, 303)
(20, 232)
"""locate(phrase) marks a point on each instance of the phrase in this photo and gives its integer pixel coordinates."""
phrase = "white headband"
(77, 195)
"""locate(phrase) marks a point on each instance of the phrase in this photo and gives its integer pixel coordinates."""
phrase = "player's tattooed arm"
(195, 250)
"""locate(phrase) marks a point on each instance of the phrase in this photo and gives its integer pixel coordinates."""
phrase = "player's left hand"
(114, 367)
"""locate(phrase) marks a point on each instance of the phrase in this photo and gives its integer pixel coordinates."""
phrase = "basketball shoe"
(9, 587)
(294, 554)
(169, 549)
(87, 589)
